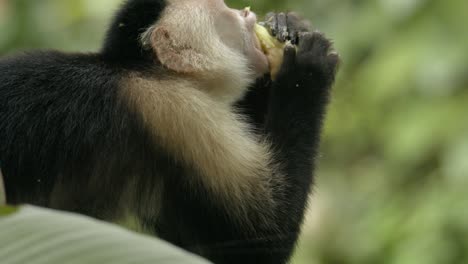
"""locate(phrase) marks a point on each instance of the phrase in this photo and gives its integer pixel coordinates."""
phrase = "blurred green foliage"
(393, 174)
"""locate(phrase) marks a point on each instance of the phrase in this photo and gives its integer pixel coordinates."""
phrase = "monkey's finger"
(315, 42)
(282, 34)
(296, 25)
(289, 60)
(333, 61)
(271, 22)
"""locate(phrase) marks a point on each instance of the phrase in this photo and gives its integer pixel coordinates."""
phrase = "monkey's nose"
(246, 12)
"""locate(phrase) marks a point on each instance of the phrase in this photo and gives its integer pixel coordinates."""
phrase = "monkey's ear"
(177, 57)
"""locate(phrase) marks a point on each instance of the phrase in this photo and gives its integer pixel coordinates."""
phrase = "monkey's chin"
(261, 63)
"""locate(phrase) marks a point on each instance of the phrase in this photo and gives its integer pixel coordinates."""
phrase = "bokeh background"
(393, 174)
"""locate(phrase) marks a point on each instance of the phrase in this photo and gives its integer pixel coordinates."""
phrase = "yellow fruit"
(272, 48)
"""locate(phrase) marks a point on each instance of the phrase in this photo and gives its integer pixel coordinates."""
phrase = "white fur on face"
(223, 37)
(236, 29)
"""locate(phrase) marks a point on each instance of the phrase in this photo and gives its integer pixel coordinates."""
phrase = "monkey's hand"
(283, 26)
(301, 90)
(314, 63)
(287, 26)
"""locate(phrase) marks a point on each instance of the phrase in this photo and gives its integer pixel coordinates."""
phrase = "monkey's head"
(200, 35)
(193, 37)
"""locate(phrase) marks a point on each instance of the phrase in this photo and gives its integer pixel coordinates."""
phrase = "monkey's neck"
(227, 85)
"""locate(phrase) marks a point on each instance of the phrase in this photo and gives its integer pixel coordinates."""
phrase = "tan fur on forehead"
(233, 164)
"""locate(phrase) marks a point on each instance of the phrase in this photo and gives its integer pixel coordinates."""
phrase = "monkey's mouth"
(257, 43)
(258, 47)
(260, 59)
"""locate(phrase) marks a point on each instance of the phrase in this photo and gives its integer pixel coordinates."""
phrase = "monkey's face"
(201, 36)
(237, 30)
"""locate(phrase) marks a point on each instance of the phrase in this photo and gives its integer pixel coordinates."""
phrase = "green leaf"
(7, 210)
(42, 236)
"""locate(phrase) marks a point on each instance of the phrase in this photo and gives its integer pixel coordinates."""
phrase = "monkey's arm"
(297, 106)
(294, 111)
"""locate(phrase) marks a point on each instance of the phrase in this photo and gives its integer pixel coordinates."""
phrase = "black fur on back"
(122, 44)
(56, 109)
(60, 111)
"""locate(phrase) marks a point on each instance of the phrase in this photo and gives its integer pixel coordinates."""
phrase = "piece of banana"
(272, 48)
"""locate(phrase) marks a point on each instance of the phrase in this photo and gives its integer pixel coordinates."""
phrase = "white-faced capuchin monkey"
(175, 125)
